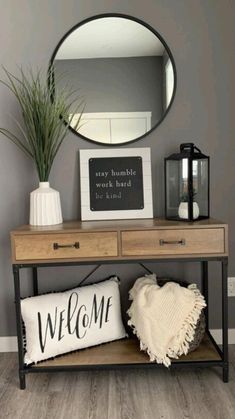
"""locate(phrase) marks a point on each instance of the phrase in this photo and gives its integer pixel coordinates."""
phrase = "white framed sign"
(116, 184)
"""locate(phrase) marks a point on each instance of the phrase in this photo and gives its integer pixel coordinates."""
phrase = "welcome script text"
(74, 320)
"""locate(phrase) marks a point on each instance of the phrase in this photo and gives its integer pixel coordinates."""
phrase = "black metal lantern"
(187, 184)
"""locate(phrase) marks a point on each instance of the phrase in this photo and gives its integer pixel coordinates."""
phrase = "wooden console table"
(102, 242)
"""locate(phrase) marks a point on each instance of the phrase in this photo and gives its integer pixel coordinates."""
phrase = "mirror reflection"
(124, 72)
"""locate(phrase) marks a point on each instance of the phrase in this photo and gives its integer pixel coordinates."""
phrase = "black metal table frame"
(23, 369)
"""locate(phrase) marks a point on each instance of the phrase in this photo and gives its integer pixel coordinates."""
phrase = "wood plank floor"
(194, 393)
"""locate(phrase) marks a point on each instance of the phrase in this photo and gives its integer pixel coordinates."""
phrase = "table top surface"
(112, 225)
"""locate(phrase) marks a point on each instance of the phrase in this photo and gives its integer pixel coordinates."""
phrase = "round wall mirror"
(125, 73)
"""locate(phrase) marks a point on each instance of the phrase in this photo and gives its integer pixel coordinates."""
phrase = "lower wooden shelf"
(125, 351)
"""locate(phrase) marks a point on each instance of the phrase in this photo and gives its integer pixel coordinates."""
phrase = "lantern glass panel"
(183, 177)
(201, 185)
(176, 186)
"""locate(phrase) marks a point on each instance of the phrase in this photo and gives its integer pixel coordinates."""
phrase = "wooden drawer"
(73, 245)
(173, 242)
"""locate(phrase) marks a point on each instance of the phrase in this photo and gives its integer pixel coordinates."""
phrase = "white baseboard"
(217, 335)
(9, 343)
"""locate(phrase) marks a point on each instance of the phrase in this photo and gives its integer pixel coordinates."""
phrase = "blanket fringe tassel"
(184, 337)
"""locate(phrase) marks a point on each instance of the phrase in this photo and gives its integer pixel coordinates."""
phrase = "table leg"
(225, 319)
(204, 266)
(35, 281)
(16, 275)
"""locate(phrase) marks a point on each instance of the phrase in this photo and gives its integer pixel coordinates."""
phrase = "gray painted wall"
(117, 84)
(201, 37)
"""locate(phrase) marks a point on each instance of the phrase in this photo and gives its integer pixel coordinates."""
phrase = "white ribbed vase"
(183, 210)
(45, 207)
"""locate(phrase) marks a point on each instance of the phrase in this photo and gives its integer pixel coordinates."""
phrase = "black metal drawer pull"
(182, 242)
(56, 246)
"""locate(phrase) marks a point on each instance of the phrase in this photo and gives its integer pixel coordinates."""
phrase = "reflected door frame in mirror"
(127, 122)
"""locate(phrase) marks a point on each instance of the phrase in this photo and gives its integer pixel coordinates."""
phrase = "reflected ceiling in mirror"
(124, 71)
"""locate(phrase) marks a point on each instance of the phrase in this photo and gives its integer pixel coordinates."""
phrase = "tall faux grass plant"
(45, 115)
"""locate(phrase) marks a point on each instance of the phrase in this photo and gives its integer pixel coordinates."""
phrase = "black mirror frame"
(51, 78)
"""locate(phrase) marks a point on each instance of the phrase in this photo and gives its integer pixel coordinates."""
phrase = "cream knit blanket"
(164, 318)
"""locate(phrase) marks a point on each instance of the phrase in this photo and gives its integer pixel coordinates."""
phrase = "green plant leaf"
(45, 115)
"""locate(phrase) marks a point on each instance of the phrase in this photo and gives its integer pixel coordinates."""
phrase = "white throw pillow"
(62, 322)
